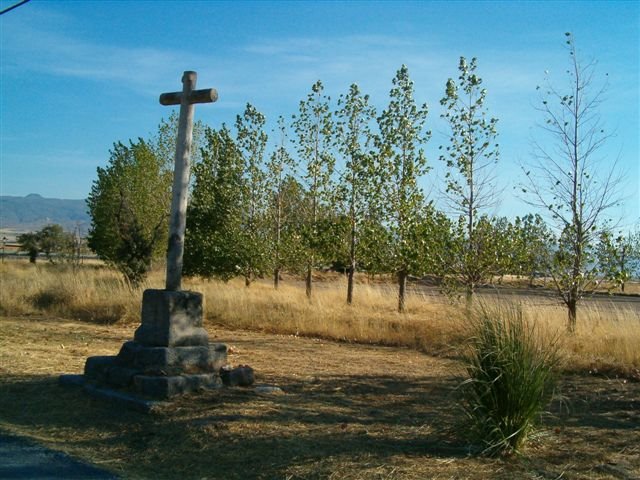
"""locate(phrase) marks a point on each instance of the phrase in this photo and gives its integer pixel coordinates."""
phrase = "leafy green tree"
(215, 243)
(470, 158)
(619, 257)
(354, 139)
(129, 207)
(402, 163)
(477, 263)
(163, 142)
(375, 247)
(252, 143)
(314, 128)
(53, 239)
(531, 247)
(568, 179)
(30, 243)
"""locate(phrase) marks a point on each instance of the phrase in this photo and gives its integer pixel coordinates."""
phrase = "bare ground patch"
(349, 412)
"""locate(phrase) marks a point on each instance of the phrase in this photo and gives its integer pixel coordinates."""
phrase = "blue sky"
(77, 76)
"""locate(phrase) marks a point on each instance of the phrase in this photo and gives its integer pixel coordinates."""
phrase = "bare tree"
(569, 178)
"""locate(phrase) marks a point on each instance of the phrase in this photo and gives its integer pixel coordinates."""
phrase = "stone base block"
(167, 387)
(190, 368)
(171, 319)
(170, 354)
(163, 360)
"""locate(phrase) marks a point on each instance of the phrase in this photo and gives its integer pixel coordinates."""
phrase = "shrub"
(51, 298)
(512, 373)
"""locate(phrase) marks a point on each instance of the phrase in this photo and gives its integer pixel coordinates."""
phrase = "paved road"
(23, 459)
(533, 296)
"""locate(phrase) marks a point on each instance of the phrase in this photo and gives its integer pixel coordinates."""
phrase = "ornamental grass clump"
(512, 371)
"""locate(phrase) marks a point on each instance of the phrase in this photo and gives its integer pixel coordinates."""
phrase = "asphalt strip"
(21, 458)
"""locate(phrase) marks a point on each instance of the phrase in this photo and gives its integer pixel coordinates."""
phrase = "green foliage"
(619, 257)
(50, 240)
(401, 163)
(129, 208)
(215, 244)
(511, 375)
(531, 246)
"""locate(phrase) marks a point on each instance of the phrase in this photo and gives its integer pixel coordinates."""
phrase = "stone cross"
(177, 223)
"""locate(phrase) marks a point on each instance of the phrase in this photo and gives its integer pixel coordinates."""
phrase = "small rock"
(241, 376)
(268, 390)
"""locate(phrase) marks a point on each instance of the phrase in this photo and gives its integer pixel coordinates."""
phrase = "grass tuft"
(512, 371)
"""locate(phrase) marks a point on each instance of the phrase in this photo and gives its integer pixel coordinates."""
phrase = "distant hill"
(24, 214)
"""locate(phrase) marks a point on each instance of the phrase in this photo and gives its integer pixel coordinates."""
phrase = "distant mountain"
(24, 214)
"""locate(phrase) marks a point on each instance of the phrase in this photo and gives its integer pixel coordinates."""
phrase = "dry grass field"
(349, 411)
(368, 393)
(607, 338)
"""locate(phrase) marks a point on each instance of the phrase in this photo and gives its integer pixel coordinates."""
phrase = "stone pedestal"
(170, 353)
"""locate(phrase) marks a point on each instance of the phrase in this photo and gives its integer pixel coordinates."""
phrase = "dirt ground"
(348, 412)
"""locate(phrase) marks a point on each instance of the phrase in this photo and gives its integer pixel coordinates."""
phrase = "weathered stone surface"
(96, 368)
(156, 359)
(120, 376)
(167, 387)
(171, 319)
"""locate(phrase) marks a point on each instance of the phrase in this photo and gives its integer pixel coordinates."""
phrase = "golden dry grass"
(607, 338)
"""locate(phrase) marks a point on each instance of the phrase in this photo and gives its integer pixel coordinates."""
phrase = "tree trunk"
(276, 278)
(247, 281)
(469, 295)
(308, 282)
(402, 288)
(352, 266)
(572, 306)
(350, 283)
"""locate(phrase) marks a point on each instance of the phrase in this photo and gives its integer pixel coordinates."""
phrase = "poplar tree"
(354, 139)
(281, 190)
(252, 143)
(314, 130)
(214, 238)
(402, 162)
(470, 184)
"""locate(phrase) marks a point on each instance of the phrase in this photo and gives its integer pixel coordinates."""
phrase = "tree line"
(339, 186)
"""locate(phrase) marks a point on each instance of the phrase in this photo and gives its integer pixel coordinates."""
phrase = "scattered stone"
(241, 376)
(268, 390)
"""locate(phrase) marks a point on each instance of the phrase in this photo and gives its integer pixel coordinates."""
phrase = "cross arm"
(208, 95)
